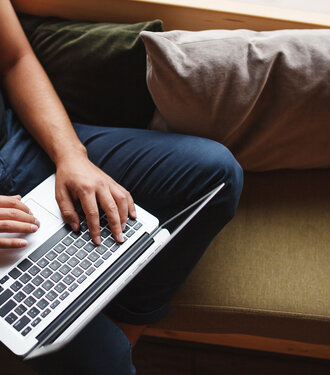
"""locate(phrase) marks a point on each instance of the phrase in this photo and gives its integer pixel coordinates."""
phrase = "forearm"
(36, 103)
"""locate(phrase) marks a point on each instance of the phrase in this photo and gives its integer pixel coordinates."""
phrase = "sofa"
(264, 282)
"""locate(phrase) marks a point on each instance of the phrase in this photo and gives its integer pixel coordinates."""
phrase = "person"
(107, 166)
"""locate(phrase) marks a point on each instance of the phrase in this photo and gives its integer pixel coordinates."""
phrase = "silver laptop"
(55, 286)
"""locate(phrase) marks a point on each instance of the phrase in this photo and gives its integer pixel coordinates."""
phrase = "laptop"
(56, 285)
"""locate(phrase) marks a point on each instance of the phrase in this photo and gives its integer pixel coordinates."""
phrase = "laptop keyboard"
(48, 276)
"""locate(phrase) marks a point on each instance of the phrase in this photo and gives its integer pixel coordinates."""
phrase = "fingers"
(13, 202)
(17, 215)
(91, 210)
(12, 226)
(68, 211)
(12, 243)
(117, 216)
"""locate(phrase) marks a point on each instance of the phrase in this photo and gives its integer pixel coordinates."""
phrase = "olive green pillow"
(97, 69)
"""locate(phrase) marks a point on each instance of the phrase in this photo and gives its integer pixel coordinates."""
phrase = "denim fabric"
(164, 173)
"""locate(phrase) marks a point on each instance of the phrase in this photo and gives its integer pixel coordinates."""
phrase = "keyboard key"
(43, 263)
(19, 296)
(75, 234)
(101, 249)
(37, 280)
(86, 236)
(55, 304)
(130, 233)
(4, 279)
(105, 233)
(20, 309)
(20, 324)
(1, 289)
(4, 310)
(93, 256)
(4, 296)
(83, 226)
(103, 222)
(35, 322)
(77, 272)
(89, 246)
(55, 265)
(98, 263)
(59, 248)
(39, 292)
(115, 247)
(46, 273)
(28, 288)
(131, 222)
(11, 318)
(34, 270)
(47, 285)
(51, 295)
(109, 242)
(25, 265)
(63, 257)
(51, 255)
(137, 226)
(16, 286)
(73, 262)
(73, 287)
(45, 313)
(42, 304)
(64, 295)
(26, 331)
(85, 264)
(33, 312)
(56, 277)
(15, 273)
(82, 278)
(68, 279)
(30, 301)
(90, 271)
(107, 255)
(71, 250)
(79, 243)
(65, 269)
(25, 278)
(67, 241)
(60, 287)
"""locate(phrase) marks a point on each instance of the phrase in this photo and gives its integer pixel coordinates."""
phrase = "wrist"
(72, 152)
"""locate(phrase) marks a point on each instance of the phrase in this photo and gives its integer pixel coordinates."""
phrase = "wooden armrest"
(179, 14)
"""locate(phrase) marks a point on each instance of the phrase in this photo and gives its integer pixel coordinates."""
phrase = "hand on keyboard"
(15, 217)
(79, 179)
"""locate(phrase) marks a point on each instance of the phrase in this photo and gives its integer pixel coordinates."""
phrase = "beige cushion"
(267, 273)
(265, 95)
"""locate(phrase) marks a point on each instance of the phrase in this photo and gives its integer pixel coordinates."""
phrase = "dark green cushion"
(97, 69)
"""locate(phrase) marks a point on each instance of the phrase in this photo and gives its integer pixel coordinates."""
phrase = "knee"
(222, 167)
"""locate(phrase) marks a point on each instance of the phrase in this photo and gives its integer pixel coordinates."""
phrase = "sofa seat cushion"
(267, 273)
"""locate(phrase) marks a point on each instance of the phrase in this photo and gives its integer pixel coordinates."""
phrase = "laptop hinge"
(73, 311)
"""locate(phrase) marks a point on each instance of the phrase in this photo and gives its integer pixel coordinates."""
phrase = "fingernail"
(98, 240)
(74, 226)
(23, 243)
(134, 214)
(34, 228)
(123, 226)
(37, 222)
(30, 212)
(120, 237)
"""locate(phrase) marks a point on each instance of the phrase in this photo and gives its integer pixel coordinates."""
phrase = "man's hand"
(79, 179)
(15, 217)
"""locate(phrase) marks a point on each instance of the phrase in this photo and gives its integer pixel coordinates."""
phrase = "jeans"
(164, 173)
